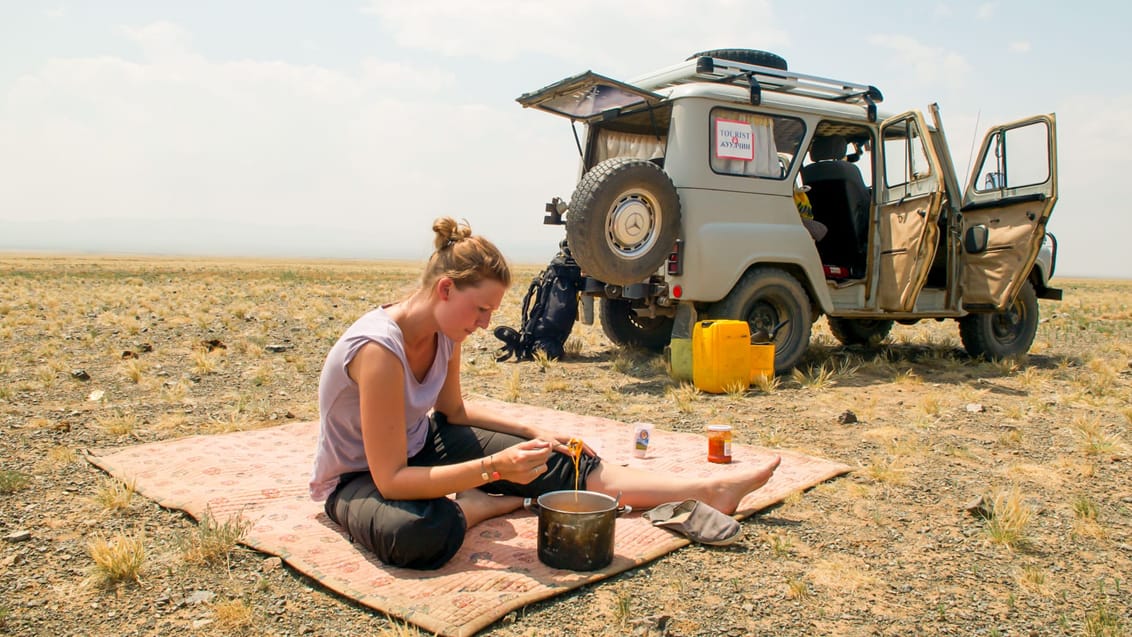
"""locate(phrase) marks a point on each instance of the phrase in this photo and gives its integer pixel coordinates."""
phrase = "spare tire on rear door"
(623, 220)
(745, 56)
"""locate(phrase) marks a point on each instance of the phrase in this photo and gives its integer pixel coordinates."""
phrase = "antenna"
(974, 135)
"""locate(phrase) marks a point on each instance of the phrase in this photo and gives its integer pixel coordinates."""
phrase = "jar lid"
(719, 427)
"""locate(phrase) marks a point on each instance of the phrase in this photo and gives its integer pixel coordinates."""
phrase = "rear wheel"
(859, 331)
(1002, 334)
(765, 298)
(624, 327)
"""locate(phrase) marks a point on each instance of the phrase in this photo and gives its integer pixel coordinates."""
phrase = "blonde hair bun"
(449, 231)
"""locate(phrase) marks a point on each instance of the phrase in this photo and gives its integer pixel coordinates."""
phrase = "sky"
(303, 128)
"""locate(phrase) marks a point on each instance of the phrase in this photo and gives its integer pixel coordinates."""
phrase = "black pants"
(425, 534)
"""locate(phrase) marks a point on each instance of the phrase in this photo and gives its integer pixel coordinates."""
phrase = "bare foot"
(728, 491)
(479, 506)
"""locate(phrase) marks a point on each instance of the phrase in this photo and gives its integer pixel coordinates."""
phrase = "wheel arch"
(818, 301)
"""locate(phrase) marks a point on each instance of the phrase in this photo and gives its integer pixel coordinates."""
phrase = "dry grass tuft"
(573, 346)
(887, 470)
(780, 544)
(399, 629)
(1033, 579)
(234, 617)
(205, 362)
(513, 388)
(61, 456)
(1094, 440)
(814, 377)
(735, 388)
(797, 589)
(907, 377)
(212, 541)
(119, 558)
(1008, 520)
(766, 383)
(235, 420)
(842, 573)
(118, 424)
(1104, 622)
(684, 396)
(114, 495)
(1085, 522)
(12, 481)
(543, 361)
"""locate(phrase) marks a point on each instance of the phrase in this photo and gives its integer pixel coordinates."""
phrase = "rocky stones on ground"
(199, 597)
(979, 507)
(18, 536)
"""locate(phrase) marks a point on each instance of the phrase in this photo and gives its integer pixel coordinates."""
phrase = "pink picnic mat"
(262, 475)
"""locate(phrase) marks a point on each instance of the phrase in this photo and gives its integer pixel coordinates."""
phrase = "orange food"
(576, 445)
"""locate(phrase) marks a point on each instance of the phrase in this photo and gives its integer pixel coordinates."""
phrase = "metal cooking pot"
(575, 528)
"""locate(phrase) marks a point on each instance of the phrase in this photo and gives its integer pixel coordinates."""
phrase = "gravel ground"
(171, 348)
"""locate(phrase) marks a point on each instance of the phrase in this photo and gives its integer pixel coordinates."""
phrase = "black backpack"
(550, 308)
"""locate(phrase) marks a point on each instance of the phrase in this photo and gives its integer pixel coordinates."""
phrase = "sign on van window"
(734, 140)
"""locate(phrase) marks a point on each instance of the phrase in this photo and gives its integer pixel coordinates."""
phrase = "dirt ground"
(107, 352)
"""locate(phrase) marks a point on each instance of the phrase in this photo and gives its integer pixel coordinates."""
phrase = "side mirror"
(975, 240)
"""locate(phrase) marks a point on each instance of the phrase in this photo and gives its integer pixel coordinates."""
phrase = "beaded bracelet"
(484, 475)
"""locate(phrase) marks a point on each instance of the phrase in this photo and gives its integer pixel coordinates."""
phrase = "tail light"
(676, 259)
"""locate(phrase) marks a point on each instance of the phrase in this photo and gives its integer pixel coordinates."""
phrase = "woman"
(397, 438)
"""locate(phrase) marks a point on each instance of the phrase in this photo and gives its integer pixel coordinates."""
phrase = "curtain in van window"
(616, 144)
(730, 154)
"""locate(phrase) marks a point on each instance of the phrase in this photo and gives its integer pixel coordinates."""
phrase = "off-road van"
(692, 204)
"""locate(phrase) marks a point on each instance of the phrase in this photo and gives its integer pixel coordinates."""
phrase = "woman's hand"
(521, 463)
(561, 443)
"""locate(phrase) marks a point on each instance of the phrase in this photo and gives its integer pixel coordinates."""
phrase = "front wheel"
(765, 298)
(624, 327)
(1002, 334)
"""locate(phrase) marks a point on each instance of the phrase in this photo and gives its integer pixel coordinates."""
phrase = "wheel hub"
(1006, 324)
(631, 224)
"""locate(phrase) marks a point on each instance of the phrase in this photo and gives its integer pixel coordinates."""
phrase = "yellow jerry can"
(721, 355)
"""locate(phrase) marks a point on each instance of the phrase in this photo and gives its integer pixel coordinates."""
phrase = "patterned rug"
(262, 475)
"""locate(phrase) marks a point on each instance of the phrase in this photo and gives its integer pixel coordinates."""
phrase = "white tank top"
(340, 449)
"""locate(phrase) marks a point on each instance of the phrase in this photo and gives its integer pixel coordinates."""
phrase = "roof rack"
(761, 78)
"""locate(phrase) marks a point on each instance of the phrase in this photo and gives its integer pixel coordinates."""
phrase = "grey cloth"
(698, 521)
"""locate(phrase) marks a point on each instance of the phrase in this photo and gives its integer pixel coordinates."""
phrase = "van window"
(1026, 163)
(905, 157)
(752, 144)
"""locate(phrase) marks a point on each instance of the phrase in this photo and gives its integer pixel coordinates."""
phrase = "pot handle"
(623, 509)
(531, 505)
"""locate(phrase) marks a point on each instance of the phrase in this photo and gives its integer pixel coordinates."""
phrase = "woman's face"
(464, 311)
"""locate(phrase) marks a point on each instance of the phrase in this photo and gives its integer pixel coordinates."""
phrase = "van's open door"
(588, 97)
(1008, 201)
(909, 196)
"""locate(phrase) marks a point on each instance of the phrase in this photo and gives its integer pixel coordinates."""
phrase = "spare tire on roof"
(745, 56)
